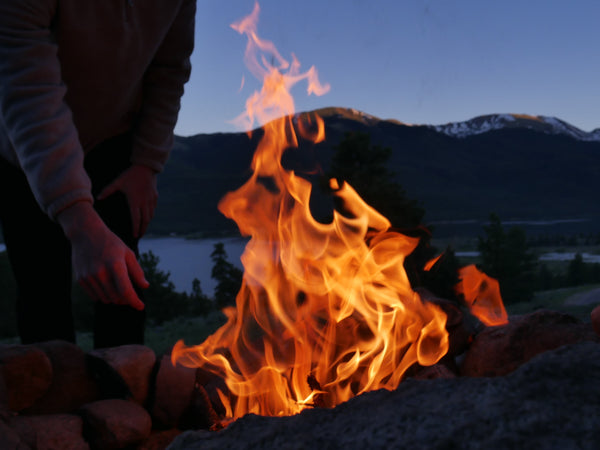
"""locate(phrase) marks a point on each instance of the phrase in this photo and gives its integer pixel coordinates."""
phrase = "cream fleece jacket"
(74, 73)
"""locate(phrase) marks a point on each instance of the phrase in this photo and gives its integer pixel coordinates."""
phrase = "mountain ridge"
(480, 124)
(518, 172)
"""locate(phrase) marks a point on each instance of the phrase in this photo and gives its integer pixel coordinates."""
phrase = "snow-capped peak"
(545, 124)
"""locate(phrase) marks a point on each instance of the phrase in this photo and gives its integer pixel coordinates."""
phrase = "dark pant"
(40, 255)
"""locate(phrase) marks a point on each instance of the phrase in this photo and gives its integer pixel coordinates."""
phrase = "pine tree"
(506, 257)
(228, 277)
(162, 301)
(364, 167)
(577, 271)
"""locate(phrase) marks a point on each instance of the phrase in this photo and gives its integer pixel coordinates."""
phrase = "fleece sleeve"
(162, 91)
(38, 122)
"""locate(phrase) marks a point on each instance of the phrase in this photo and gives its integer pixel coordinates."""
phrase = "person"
(89, 97)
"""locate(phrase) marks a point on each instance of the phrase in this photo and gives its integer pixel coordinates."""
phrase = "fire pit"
(550, 402)
(527, 384)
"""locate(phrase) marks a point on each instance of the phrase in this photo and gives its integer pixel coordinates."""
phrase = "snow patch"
(545, 124)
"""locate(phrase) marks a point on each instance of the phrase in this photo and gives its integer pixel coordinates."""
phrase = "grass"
(555, 300)
(192, 330)
(161, 338)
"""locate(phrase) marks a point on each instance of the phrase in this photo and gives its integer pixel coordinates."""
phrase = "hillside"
(518, 171)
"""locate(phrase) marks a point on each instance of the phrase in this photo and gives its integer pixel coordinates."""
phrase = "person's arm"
(153, 135)
(162, 90)
(41, 129)
(38, 121)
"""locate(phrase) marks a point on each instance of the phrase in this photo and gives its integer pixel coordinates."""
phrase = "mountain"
(542, 124)
(520, 167)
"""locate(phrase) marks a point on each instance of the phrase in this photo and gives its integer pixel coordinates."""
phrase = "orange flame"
(482, 296)
(325, 311)
(432, 262)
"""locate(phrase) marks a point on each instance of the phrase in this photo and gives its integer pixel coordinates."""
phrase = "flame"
(432, 262)
(325, 311)
(482, 295)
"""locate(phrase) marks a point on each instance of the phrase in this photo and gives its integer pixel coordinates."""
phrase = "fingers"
(135, 271)
(96, 289)
(114, 285)
(124, 288)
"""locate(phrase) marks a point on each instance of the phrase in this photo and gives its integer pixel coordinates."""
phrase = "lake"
(187, 259)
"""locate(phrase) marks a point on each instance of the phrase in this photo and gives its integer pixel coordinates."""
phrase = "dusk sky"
(417, 61)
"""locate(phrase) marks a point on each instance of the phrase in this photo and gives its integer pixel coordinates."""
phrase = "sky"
(416, 61)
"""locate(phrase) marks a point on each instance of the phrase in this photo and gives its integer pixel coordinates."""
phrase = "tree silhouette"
(364, 167)
(163, 302)
(505, 256)
(228, 277)
(576, 271)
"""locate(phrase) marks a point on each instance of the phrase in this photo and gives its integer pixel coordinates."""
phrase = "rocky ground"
(550, 402)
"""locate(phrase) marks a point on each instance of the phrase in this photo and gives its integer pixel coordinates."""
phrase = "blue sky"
(417, 61)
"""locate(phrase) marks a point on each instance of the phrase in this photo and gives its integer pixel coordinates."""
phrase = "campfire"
(326, 311)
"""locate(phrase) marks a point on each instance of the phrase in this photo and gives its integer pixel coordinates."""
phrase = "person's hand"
(104, 266)
(138, 183)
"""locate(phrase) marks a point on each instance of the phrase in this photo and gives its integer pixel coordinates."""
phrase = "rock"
(596, 319)
(9, 439)
(72, 384)
(57, 431)
(159, 440)
(134, 363)
(110, 383)
(551, 402)
(173, 392)
(115, 423)
(500, 350)
(460, 328)
(433, 372)
(27, 373)
(4, 411)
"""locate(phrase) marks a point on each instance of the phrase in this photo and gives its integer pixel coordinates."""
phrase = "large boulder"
(4, 411)
(460, 327)
(173, 394)
(500, 350)
(27, 374)
(72, 385)
(9, 439)
(552, 401)
(159, 439)
(115, 423)
(134, 365)
(55, 431)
